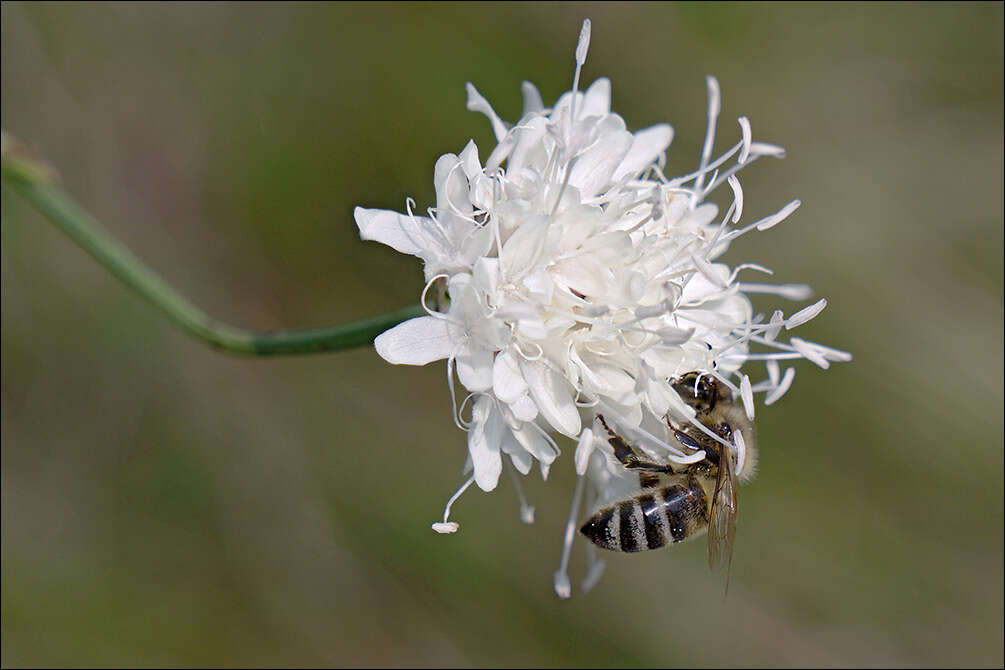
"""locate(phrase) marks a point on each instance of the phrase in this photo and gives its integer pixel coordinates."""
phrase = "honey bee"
(676, 503)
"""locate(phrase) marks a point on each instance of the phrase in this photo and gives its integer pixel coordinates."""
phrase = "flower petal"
(592, 171)
(535, 443)
(507, 380)
(416, 342)
(583, 450)
(474, 369)
(478, 103)
(553, 397)
(484, 441)
(520, 457)
(532, 102)
(596, 100)
(407, 234)
(524, 408)
(647, 144)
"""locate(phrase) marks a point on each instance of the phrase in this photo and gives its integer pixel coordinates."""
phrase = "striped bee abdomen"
(652, 519)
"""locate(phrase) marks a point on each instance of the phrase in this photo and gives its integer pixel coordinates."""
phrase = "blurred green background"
(167, 505)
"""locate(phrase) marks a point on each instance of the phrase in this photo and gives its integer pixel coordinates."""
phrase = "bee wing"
(722, 517)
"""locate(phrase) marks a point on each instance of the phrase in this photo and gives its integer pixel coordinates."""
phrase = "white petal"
(507, 380)
(475, 369)
(407, 234)
(583, 450)
(710, 279)
(484, 440)
(647, 144)
(528, 147)
(452, 189)
(535, 443)
(553, 397)
(532, 102)
(604, 379)
(469, 160)
(520, 457)
(525, 246)
(593, 169)
(540, 285)
(597, 100)
(478, 103)
(416, 342)
(486, 275)
(524, 408)
(658, 395)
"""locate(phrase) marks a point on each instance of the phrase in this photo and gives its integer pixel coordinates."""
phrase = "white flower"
(580, 280)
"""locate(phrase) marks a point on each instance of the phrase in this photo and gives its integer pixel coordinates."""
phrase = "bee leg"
(648, 480)
(629, 457)
(636, 463)
(622, 450)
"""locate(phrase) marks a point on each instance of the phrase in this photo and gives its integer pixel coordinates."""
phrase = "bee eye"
(687, 440)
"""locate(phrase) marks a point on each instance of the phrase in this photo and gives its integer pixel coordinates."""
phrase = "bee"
(676, 503)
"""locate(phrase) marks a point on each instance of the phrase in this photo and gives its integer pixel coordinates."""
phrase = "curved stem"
(32, 180)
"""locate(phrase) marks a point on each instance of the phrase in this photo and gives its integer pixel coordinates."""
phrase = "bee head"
(701, 392)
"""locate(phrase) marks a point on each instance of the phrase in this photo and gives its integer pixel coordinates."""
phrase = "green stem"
(32, 180)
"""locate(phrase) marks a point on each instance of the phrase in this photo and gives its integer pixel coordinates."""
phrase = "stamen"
(747, 395)
(425, 290)
(740, 447)
(733, 388)
(745, 130)
(831, 354)
(758, 149)
(728, 172)
(455, 411)
(787, 291)
(526, 510)
(805, 314)
(703, 428)
(595, 311)
(772, 398)
(705, 268)
(674, 454)
(561, 579)
(582, 47)
(594, 570)
(774, 356)
(447, 526)
(674, 183)
(706, 151)
(734, 184)
(670, 336)
(778, 217)
(649, 311)
(774, 372)
(809, 351)
(748, 266)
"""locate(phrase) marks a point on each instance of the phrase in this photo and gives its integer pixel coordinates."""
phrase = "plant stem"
(32, 180)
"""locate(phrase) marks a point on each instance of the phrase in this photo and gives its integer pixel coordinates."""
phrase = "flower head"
(572, 278)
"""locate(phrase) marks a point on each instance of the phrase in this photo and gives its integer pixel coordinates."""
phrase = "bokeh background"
(167, 505)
